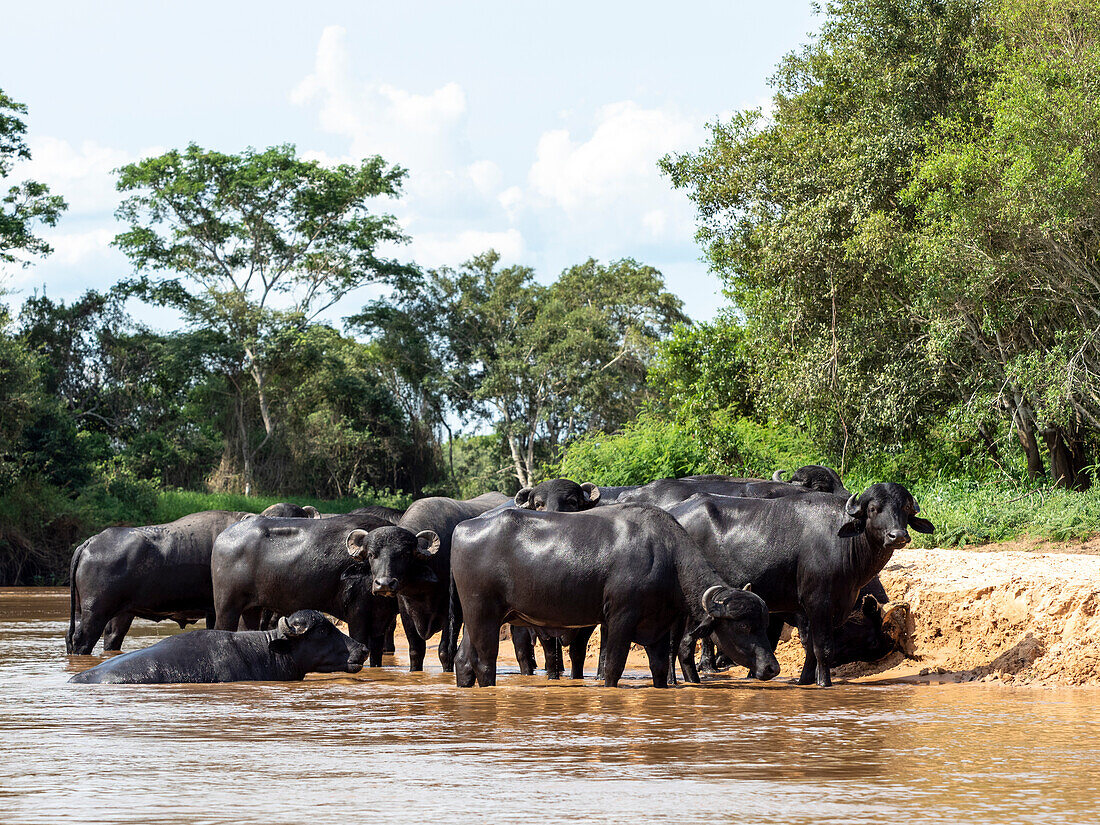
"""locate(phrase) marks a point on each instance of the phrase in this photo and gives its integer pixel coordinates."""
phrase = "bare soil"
(1013, 616)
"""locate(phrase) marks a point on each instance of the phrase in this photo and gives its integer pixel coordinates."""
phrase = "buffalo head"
(884, 512)
(739, 621)
(396, 558)
(559, 495)
(315, 645)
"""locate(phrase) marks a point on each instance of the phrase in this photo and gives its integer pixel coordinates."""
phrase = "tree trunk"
(1067, 459)
(1024, 421)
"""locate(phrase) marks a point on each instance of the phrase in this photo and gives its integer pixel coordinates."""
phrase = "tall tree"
(26, 203)
(255, 243)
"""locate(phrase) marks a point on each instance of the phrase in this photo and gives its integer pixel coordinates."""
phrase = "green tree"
(804, 215)
(540, 364)
(26, 203)
(254, 244)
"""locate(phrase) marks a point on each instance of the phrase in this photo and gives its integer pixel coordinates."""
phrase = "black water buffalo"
(807, 555)
(865, 636)
(305, 642)
(668, 492)
(422, 581)
(286, 565)
(559, 495)
(632, 570)
(157, 572)
(815, 477)
(390, 514)
(286, 510)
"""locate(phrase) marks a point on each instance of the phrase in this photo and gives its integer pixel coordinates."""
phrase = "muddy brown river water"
(386, 745)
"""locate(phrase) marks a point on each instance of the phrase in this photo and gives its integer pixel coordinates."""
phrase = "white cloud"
(455, 248)
(70, 248)
(82, 174)
(617, 163)
(419, 131)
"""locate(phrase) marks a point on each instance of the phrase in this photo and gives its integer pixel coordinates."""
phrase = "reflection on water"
(413, 747)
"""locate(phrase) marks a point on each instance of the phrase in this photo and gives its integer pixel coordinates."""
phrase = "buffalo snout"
(385, 586)
(766, 667)
(896, 539)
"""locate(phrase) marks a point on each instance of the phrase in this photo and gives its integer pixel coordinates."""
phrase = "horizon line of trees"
(908, 239)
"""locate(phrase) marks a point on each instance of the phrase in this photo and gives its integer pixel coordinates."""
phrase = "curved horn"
(778, 475)
(311, 511)
(523, 498)
(427, 544)
(852, 508)
(284, 628)
(748, 587)
(708, 596)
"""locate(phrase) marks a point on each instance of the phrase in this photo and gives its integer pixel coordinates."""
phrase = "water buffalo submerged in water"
(305, 642)
(632, 570)
(806, 555)
(286, 565)
(157, 572)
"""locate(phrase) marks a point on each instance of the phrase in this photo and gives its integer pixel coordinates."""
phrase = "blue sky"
(533, 129)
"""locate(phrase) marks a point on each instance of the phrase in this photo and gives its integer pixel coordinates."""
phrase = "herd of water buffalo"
(727, 561)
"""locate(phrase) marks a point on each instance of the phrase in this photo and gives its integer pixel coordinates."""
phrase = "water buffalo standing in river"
(286, 565)
(806, 555)
(422, 581)
(633, 570)
(305, 642)
(157, 572)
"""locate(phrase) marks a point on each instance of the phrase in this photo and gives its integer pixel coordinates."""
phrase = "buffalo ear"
(591, 493)
(357, 543)
(851, 527)
(703, 630)
(311, 511)
(921, 525)
(523, 498)
(870, 606)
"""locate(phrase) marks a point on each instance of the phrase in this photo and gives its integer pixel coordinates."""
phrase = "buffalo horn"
(778, 475)
(852, 508)
(591, 491)
(427, 544)
(708, 596)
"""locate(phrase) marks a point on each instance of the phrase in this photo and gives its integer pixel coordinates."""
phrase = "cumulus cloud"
(610, 181)
(82, 174)
(455, 248)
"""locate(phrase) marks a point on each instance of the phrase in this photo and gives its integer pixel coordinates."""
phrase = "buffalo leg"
(658, 654)
(578, 649)
(706, 657)
(390, 645)
(90, 628)
(376, 646)
(251, 619)
(465, 672)
(551, 655)
(619, 633)
(687, 658)
(448, 639)
(417, 645)
(818, 645)
(523, 641)
(211, 620)
(485, 640)
(116, 631)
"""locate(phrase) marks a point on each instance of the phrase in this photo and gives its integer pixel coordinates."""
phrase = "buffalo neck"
(284, 662)
(866, 557)
(696, 577)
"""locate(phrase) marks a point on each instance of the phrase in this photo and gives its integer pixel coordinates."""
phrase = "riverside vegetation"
(908, 240)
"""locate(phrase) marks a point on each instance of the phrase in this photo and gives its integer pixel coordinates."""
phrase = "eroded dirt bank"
(1017, 617)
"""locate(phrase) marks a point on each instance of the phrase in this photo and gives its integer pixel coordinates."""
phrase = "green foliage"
(174, 504)
(23, 204)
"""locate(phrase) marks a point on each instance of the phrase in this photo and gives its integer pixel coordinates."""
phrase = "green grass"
(174, 504)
